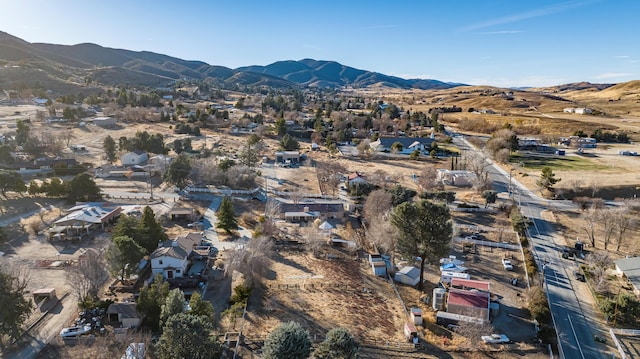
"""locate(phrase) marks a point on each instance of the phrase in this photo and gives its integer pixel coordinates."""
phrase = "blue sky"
(498, 43)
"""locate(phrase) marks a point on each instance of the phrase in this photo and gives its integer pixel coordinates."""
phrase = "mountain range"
(63, 67)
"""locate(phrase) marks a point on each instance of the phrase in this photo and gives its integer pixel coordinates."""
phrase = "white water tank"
(438, 298)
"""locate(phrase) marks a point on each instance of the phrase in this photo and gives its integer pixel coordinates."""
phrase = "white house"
(134, 158)
(172, 257)
(104, 121)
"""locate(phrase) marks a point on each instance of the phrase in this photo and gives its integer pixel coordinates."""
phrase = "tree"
(123, 255)
(339, 344)
(281, 127)
(287, 340)
(429, 178)
(127, 226)
(87, 277)
(547, 179)
(178, 172)
(378, 204)
(15, 306)
(82, 188)
(396, 147)
(22, 132)
(187, 336)
(151, 232)
(226, 218)
(401, 194)
(424, 230)
(173, 304)
(364, 149)
(251, 150)
(415, 155)
(623, 221)
(201, 308)
(109, 146)
(489, 197)
(150, 301)
(11, 181)
(288, 143)
(252, 261)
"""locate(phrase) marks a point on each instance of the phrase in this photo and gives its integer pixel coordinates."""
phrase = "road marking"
(575, 336)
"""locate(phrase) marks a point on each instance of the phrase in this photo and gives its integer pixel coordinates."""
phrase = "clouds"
(534, 13)
(613, 75)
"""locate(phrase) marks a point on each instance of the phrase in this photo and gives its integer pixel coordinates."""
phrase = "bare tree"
(364, 149)
(382, 234)
(575, 185)
(296, 194)
(477, 164)
(599, 262)
(252, 261)
(428, 178)
(329, 174)
(378, 205)
(473, 332)
(88, 276)
(623, 220)
(379, 178)
(607, 224)
(314, 240)
(594, 187)
(589, 227)
(66, 136)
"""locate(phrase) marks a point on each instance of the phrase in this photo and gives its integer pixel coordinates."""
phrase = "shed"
(284, 156)
(408, 275)
(124, 313)
(43, 294)
(416, 316)
(180, 213)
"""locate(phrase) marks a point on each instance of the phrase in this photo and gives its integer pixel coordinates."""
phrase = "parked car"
(580, 276)
(75, 331)
(506, 263)
(495, 339)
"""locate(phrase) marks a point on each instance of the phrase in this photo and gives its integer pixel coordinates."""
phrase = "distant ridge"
(64, 63)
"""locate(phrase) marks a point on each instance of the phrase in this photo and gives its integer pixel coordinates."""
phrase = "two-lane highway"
(575, 330)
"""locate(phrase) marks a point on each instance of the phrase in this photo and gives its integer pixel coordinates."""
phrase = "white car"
(495, 339)
(506, 263)
(75, 331)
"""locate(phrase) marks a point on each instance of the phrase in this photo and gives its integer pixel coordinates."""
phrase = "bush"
(288, 340)
(538, 305)
(240, 294)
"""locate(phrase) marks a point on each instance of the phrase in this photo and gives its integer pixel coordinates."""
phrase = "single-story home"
(134, 158)
(630, 268)
(355, 178)
(409, 275)
(124, 313)
(409, 144)
(290, 156)
(469, 302)
(104, 121)
(456, 178)
(310, 209)
(87, 217)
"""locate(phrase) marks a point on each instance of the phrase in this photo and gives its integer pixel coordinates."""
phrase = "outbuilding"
(134, 158)
(124, 313)
(409, 275)
(104, 121)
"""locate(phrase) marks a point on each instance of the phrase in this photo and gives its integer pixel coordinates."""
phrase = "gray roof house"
(409, 144)
(630, 268)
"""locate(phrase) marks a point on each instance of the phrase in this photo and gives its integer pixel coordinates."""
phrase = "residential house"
(134, 158)
(473, 302)
(456, 178)
(85, 219)
(355, 178)
(287, 156)
(630, 268)
(409, 144)
(309, 209)
(171, 259)
(124, 313)
(105, 122)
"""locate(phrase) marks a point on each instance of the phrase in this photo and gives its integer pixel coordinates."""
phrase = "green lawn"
(564, 163)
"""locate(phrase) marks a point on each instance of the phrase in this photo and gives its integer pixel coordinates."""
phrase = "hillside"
(113, 67)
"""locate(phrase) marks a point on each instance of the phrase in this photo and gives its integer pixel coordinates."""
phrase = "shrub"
(538, 305)
(288, 340)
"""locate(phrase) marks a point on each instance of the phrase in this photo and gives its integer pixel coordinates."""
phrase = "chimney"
(305, 209)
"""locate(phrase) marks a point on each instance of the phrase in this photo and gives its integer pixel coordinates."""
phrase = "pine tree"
(288, 340)
(151, 232)
(226, 218)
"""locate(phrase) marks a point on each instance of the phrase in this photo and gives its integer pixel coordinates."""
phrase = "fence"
(487, 243)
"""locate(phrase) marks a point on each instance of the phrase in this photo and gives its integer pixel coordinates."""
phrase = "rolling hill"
(107, 66)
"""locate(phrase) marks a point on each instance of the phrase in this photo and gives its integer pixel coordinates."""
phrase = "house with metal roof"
(630, 268)
(171, 258)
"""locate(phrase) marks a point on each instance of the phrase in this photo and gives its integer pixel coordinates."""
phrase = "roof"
(322, 206)
(92, 215)
(631, 269)
(125, 310)
(410, 271)
(354, 175)
(467, 298)
(406, 142)
(181, 210)
(179, 248)
(302, 214)
(470, 284)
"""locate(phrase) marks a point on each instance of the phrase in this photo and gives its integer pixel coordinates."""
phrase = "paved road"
(575, 322)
